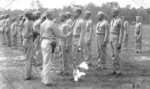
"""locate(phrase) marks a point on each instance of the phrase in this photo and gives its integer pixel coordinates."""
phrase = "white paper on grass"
(78, 74)
(84, 65)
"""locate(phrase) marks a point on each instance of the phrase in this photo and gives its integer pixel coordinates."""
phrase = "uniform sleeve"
(121, 31)
(82, 34)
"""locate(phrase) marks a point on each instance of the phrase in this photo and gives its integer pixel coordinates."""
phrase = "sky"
(26, 4)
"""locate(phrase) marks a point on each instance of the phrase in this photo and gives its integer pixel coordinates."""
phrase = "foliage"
(127, 11)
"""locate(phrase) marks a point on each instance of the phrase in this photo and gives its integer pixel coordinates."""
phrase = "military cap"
(77, 9)
(49, 12)
(87, 12)
(63, 14)
(100, 13)
(68, 13)
(115, 10)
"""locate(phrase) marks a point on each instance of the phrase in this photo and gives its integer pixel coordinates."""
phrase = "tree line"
(127, 11)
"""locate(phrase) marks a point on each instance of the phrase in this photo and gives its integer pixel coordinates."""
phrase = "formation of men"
(39, 32)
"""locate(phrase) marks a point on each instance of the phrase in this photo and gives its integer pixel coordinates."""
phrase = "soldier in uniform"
(49, 32)
(28, 44)
(64, 27)
(126, 33)
(138, 34)
(3, 30)
(116, 36)
(78, 38)
(20, 29)
(14, 29)
(88, 37)
(7, 30)
(37, 43)
(102, 34)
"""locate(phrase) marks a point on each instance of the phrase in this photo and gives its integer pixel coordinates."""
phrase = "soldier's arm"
(57, 32)
(91, 31)
(15, 28)
(127, 26)
(121, 31)
(140, 27)
(106, 32)
(82, 34)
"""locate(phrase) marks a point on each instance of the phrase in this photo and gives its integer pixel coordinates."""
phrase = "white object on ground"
(77, 74)
(84, 65)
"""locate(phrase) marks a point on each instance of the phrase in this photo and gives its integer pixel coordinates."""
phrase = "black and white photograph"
(74, 44)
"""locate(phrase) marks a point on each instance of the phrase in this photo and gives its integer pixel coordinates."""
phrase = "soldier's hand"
(119, 46)
(79, 49)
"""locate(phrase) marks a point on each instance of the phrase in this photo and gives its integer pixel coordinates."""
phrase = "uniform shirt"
(115, 25)
(88, 28)
(77, 31)
(47, 33)
(7, 25)
(14, 29)
(28, 29)
(64, 28)
(126, 24)
(138, 28)
(36, 25)
(100, 28)
(69, 21)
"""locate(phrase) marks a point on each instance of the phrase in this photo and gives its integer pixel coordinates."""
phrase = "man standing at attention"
(126, 33)
(116, 36)
(88, 37)
(138, 34)
(7, 30)
(102, 34)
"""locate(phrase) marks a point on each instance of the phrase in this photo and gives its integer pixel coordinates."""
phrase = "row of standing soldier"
(38, 34)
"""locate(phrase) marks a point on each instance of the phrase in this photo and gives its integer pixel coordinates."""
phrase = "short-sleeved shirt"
(115, 25)
(100, 27)
(79, 25)
(36, 26)
(14, 29)
(64, 28)
(138, 28)
(47, 29)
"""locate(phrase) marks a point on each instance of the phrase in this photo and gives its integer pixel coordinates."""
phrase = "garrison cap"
(87, 12)
(77, 9)
(62, 14)
(49, 12)
(100, 13)
(68, 13)
(37, 12)
(115, 10)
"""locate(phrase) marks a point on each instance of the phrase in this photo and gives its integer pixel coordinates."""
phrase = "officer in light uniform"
(14, 29)
(49, 32)
(37, 43)
(102, 34)
(28, 44)
(116, 36)
(78, 38)
(126, 33)
(3, 30)
(7, 30)
(88, 37)
(138, 34)
(64, 27)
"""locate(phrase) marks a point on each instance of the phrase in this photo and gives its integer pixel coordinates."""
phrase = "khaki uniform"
(63, 44)
(138, 36)
(3, 32)
(28, 44)
(49, 38)
(126, 33)
(21, 26)
(37, 43)
(7, 32)
(115, 27)
(101, 32)
(78, 40)
(88, 49)
(14, 29)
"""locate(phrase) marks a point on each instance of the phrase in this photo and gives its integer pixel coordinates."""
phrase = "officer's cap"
(77, 9)
(115, 10)
(49, 12)
(100, 13)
